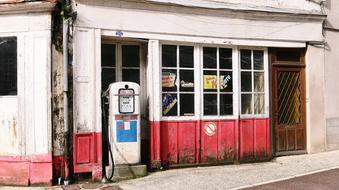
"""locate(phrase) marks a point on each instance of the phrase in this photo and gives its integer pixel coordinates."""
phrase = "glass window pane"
(259, 104)
(131, 75)
(186, 104)
(246, 81)
(259, 82)
(108, 55)
(210, 57)
(245, 59)
(246, 104)
(130, 56)
(8, 66)
(226, 104)
(210, 81)
(107, 77)
(169, 105)
(187, 80)
(225, 58)
(226, 81)
(169, 56)
(258, 58)
(186, 56)
(210, 104)
(169, 77)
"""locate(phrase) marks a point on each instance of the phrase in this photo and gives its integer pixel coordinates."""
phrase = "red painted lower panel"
(87, 153)
(26, 170)
(209, 141)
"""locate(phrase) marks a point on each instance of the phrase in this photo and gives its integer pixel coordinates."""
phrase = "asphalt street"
(328, 180)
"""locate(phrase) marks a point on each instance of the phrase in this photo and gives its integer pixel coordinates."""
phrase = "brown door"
(288, 101)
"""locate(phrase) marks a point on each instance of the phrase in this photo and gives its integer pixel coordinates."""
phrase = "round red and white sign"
(210, 128)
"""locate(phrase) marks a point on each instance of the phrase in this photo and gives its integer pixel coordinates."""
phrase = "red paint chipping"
(186, 142)
(87, 155)
(26, 170)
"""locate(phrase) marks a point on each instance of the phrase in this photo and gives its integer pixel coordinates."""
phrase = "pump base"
(127, 171)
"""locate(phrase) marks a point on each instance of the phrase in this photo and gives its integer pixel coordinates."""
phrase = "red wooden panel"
(155, 143)
(186, 142)
(209, 141)
(83, 147)
(227, 145)
(261, 141)
(169, 145)
(246, 139)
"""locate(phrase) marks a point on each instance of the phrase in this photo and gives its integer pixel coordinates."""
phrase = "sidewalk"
(229, 176)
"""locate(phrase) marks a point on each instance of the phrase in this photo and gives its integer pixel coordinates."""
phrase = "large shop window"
(177, 80)
(8, 66)
(217, 81)
(252, 82)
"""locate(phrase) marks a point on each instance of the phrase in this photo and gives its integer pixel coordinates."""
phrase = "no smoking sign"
(210, 128)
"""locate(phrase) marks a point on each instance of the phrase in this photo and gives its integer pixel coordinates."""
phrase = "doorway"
(123, 60)
(288, 100)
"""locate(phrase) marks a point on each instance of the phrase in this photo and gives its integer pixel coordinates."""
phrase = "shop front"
(217, 85)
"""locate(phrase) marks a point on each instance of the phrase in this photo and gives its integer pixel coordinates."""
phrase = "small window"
(8, 66)
(177, 80)
(108, 67)
(291, 55)
(217, 81)
(252, 78)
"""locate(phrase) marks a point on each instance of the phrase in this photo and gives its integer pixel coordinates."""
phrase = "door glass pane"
(169, 77)
(108, 55)
(288, 55)
(246, 81)
(226, 104)
(259, 104)
(210, 104)
(186, 104)
(169, 56)
(258, 58)
(226, 81)
(8, 66)
(210, 57)
(245, 59)
(187, 80)
(130, 56)
(186, 56)
(289, 99)
(225, 58)
(259, 82)
(107, 77)
(210, 81)
(169, 104)
(131, 75)
(246, 104)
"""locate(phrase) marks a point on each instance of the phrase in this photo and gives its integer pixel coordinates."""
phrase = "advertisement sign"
(210, 82)
(168, 79)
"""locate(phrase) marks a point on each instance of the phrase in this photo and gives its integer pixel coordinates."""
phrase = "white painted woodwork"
(30, 110)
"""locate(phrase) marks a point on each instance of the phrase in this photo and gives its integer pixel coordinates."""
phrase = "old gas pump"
(124, 123)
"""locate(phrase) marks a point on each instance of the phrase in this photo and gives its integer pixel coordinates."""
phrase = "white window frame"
(177, 68)
(234, 84)
(198, 85)
(266, 82)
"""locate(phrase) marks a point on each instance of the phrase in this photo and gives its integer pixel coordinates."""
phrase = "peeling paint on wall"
(9, 141)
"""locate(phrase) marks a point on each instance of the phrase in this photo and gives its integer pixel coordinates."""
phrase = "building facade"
(222, 81)
(25, 93)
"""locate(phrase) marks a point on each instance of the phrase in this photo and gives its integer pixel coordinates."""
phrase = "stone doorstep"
(128, 171)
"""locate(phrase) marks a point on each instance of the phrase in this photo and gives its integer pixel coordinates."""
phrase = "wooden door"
(288, 101)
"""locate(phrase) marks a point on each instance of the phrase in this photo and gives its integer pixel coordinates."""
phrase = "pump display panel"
(126, 101)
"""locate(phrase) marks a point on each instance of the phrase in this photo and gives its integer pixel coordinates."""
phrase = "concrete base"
(128, 171)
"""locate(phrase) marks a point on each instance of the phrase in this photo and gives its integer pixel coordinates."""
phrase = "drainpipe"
(65, 96)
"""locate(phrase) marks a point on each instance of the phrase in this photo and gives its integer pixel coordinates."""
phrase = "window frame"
(234, 83)
(266, 82)
(18, 61)
(178, 68)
